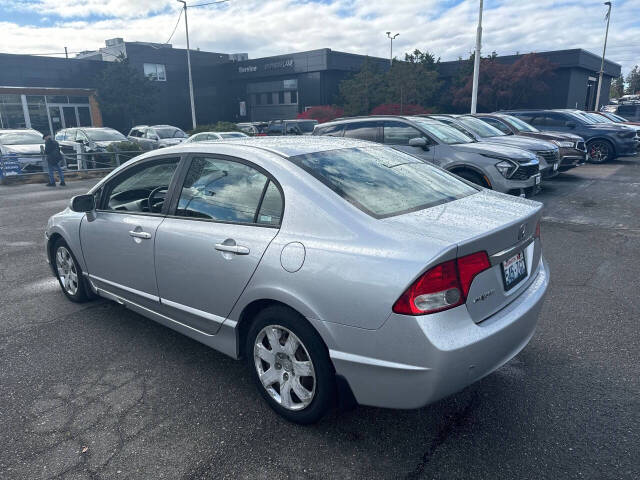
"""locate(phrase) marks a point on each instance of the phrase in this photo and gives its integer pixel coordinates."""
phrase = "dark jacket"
(52, 151)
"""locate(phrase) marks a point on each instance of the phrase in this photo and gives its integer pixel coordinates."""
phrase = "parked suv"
(90, 140)
(499, 167)
(573, 150)
(156, 136)
(604, 141)
(291, 127)
(547, 152)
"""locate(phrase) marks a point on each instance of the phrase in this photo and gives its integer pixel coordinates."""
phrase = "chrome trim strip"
(373, 362)
(192, 311)
(496, 258)
(119, 299)
(127, 289)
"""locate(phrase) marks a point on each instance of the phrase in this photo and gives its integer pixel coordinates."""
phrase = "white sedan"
(206, 136)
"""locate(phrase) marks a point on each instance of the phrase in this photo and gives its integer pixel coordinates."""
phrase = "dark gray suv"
(499, 167)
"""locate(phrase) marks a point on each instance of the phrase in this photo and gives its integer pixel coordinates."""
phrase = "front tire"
(600, 151)
(290, 365)
(69, 273)
(472, 177)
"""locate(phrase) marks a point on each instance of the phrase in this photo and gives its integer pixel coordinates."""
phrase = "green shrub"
(216, 127)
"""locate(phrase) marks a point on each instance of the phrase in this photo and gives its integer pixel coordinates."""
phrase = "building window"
(294, 96)
(155, 72)
(270, 98)
(281, 98)
(11, 112)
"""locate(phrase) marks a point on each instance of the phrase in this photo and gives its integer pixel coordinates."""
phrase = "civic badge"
(522, 231)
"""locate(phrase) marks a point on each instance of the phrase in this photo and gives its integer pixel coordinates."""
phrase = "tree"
(124, 93)
(363, 91)
(506, 86)
(414, 81)
(617, 87)
(633, 81)
(322, 113)
(398, 109)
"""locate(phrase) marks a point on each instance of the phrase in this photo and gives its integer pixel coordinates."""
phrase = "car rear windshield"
(22, 138)
(105, 135)
(232, 135)
(480, 128)
(381, 181)
(519, 124)
(169, 132)
(306, 127)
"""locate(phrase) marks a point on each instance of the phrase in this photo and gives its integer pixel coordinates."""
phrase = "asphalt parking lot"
(98, 392)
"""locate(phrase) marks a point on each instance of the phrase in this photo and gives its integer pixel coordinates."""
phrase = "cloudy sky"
(272, 27)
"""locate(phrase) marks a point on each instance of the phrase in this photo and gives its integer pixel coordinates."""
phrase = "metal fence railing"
(24, 164)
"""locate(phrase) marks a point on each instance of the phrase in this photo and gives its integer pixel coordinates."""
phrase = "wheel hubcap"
(598, 152)
(67, 271)
(284, 367)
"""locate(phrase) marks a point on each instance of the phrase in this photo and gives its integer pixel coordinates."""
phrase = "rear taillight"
(443, 287)
(537, 234)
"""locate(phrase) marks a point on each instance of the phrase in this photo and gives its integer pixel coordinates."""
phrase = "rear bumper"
(413, 361)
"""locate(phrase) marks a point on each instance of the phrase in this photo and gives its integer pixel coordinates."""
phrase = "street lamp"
(476, 63)
(391, 38)
(186, 26)
(608, 17)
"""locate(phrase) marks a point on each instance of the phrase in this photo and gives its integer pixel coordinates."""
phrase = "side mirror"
(83, 203)
(570, 124)
(420, 142)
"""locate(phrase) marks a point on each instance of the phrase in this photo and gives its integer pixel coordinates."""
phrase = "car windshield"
(105, 135)
(383, 182)
(599, 118)
(169, 132)
(480, 128)
(442, 132)
(519, 124)
(614, 117)
(21, 138)
(233, 135)
(306, 127)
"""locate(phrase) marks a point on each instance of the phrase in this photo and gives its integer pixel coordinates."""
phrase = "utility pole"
(186, 26)
(66, 54)
(391, 38)
(476, 63)
(604, 50)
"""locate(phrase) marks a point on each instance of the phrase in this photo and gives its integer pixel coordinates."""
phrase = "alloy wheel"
(284, 367)
(598, 152)
(67, 272)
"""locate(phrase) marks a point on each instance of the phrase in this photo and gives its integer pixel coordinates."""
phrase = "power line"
(205, 4)
(176, 27)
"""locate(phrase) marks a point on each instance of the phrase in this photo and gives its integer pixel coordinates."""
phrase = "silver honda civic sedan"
(339, 269)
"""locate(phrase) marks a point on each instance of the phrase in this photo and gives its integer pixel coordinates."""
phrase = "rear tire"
(600, 151)
(69, 273)
(290, 365)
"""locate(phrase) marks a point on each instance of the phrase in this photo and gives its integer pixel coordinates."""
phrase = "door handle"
(144, 235)
(237, 249)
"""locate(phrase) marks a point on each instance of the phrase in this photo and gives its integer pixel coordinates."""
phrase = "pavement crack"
(452, 423)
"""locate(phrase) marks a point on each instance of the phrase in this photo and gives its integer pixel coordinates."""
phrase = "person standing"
(54, 159)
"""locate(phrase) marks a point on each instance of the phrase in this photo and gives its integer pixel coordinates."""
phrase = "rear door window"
(497, 124)
(331, 130)
(362, 130)
(399, 133)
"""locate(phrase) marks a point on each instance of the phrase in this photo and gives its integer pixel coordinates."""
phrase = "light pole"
(476, 63)
(391, 38)
(608, 17)
(186, 26)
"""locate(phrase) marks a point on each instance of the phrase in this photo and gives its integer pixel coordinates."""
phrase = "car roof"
(19, 130)
(283, 146)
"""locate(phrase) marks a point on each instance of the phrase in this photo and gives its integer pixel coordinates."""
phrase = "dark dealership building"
(51, 93)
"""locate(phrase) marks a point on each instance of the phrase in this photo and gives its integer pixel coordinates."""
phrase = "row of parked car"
(510, 152)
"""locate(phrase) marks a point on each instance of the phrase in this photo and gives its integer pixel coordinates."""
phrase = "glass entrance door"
(70, 118)
(56, 119)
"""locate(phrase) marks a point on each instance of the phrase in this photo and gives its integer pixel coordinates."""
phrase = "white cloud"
(273, 27)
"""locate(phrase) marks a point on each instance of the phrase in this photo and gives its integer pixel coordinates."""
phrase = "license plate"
(555, 167)
(514, 269)
(537, 179)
